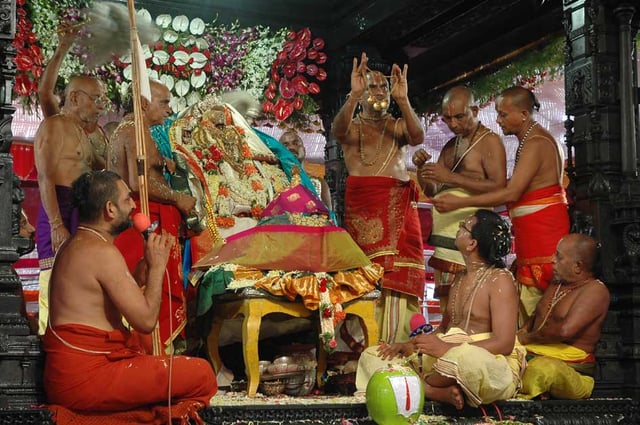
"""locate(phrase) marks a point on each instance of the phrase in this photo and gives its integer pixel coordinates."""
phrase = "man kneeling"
(93, 362)
(474, 353)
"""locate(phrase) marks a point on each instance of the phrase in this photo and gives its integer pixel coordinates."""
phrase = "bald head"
(584, 249)
(461, 94)
(82, 83)
(522, 98)
(293, 143)
(159, 109)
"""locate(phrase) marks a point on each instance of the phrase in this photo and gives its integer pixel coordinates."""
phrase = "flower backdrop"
(280, 68)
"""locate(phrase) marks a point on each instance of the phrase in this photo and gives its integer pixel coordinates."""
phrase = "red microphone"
(143, 225)
(419, 325)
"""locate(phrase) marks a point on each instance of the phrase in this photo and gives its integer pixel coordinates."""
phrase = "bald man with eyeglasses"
(68, 143)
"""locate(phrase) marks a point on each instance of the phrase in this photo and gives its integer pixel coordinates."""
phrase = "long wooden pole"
(141, 150)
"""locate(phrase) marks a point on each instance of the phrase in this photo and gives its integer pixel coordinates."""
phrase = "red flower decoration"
(326, 313)
(323, 285)
(289, 86)
(29, 60)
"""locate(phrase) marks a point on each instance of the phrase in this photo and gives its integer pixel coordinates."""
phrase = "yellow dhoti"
(560, 370)
(446, 259)
(484, 377)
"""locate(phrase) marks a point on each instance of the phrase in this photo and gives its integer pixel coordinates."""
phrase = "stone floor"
(240, 410)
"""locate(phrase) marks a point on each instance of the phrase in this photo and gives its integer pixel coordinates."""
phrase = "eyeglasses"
(463, 226)
(98, 100)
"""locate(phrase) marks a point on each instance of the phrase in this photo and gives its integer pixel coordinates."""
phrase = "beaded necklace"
(481, 275)
(378, 146)
(524, 139)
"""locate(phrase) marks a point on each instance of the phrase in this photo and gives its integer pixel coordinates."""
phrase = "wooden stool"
(253, 305)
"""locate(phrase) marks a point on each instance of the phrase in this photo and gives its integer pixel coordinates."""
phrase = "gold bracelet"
(56, 219)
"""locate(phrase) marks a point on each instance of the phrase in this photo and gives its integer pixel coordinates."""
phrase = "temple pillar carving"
(21, 359)
(602, 108)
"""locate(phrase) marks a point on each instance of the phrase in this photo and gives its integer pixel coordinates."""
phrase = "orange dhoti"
(90, 369)
(173, 317)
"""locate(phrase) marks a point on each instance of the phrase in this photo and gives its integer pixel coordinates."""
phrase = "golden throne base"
(253, 305)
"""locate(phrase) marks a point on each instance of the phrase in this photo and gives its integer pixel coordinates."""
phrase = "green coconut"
(395, 396)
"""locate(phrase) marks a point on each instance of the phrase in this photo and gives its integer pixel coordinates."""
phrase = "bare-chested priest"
(166, 207)
(380, 210)
(473, 161)
(63, 152)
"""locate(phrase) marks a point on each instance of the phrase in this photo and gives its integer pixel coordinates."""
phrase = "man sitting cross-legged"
(562, 335)
(474, 353)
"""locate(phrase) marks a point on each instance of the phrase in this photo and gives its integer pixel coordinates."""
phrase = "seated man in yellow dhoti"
(562, 335)
(474, 161)
(474, 354)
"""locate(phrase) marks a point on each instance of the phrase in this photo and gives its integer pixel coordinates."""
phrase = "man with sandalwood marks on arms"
(380, 199)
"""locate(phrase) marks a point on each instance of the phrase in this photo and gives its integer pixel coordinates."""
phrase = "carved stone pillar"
(20, 357)
(602, 105)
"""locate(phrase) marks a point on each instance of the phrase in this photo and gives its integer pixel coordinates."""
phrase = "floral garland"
(331, 314)
(236, 176)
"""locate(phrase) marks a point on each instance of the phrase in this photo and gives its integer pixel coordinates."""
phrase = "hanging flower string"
(330, 314)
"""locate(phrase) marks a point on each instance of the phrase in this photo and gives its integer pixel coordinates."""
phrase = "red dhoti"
(540, 219)
(173, 314)
(381, 214)
(91, 369)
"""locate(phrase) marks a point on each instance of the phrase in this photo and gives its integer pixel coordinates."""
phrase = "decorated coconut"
(395, 396)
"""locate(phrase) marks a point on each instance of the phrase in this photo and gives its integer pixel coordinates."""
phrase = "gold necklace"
(94, 231)
(374, 119)
(524, 139)
(480, 277)
(558, 296)
(378, 146)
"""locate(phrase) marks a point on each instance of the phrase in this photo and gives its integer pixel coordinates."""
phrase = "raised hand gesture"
(358, 76)
(399, 87)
